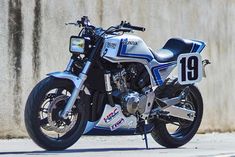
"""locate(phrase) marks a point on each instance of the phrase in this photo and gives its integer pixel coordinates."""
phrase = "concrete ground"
(202, 145)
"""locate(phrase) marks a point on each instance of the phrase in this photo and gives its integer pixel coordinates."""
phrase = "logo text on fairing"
(111, 115)
(111, 45)
(130, 42)
(117, 124)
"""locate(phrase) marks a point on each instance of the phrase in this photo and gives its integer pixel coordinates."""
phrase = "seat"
(172, 49)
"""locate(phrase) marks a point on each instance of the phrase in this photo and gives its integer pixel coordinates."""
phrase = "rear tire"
(33, 122)
(160, 132)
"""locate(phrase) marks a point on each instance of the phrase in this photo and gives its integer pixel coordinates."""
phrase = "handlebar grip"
(134, 27)
(137, 28)
(123, 30)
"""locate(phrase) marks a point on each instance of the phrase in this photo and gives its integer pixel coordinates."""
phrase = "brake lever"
(72, 23)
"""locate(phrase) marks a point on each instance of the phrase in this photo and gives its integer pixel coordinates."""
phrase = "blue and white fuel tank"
(126, 48)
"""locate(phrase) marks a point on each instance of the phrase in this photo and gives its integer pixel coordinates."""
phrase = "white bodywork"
(112, 119)
(130, 48)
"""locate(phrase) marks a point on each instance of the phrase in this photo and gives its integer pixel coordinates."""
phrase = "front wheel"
(173, 132)
(43, 123)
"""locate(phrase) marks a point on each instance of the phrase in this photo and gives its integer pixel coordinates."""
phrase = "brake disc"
(56, 123)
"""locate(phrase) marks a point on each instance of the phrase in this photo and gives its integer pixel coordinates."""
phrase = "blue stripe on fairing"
(156, 73)
(157, 76)
(195, 48)
(122, 52)
(107, 131)
(200, 44)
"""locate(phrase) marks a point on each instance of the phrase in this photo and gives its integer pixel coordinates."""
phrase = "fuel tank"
(126, 48)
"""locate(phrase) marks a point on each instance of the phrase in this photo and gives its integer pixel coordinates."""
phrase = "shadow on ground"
(76, 151)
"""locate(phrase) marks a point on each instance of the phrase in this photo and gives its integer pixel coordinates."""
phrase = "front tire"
(181, 136)
(37, 117)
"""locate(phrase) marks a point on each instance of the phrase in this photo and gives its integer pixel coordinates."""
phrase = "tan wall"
(34, 41)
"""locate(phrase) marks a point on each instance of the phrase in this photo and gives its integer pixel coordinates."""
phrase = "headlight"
(77, 44)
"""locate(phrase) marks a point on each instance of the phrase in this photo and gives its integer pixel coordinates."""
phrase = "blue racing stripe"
(156, 73)
(157, 76)
(199, 46)
(123, 52)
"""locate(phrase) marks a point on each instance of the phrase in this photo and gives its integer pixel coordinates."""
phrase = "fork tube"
(80, 80)
(108, 88)
(69, 66)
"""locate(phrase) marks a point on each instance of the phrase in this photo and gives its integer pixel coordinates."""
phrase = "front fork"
(79, 81)
(78, 87)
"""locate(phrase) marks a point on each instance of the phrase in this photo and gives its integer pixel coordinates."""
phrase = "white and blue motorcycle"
(114, 80)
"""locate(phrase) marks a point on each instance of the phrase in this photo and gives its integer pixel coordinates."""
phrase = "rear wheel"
(173, 132)
(43, 123)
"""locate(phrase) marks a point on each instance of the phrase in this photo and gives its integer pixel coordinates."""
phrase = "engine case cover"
(131, 102)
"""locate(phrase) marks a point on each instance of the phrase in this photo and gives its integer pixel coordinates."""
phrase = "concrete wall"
(34, 41)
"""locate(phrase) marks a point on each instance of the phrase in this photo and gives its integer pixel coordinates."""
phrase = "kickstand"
(145, 138)
(143, 128)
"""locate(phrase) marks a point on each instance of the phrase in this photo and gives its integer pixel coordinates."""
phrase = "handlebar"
(123, 27)
(84, 22)
(71, 23)
(122, 30)
(128, 25)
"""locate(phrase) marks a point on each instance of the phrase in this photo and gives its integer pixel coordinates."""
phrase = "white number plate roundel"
(189, 68)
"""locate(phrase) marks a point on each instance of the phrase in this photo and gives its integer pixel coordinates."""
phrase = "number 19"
(189, 68)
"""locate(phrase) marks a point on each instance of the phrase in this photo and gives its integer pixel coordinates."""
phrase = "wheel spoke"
(44, 110)
(44, 121)
(67, 121)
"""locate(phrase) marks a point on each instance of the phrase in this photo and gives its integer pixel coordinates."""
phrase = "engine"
(131, 90)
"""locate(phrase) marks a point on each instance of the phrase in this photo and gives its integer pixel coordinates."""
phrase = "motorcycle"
(115, 80)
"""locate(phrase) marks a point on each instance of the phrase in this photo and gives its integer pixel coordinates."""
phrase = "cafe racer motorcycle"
(114, 79)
